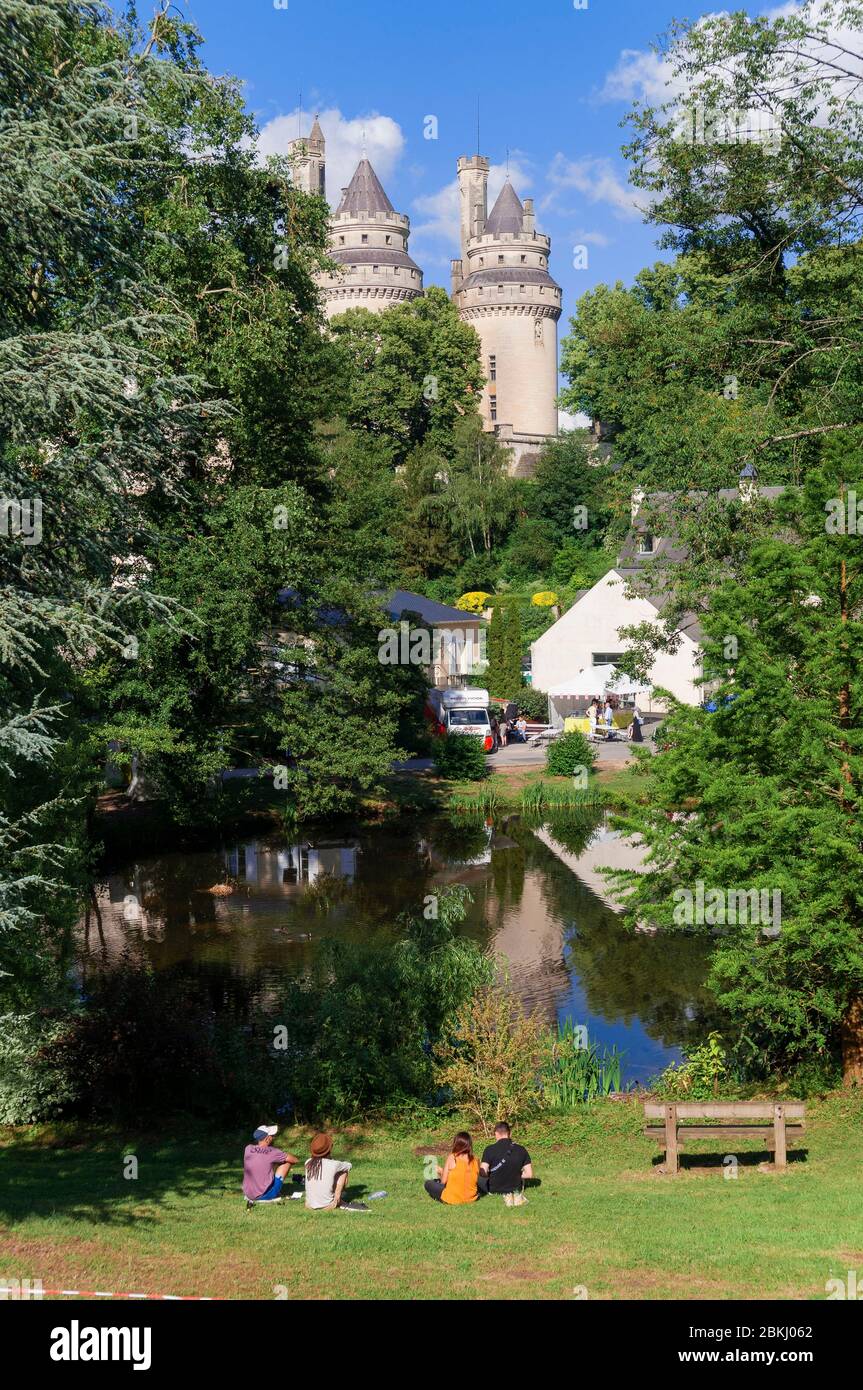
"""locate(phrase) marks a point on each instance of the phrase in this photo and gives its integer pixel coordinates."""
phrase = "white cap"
(265, 1129)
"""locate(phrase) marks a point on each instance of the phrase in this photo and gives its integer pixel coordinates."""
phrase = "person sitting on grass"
(505, 1166)
(456, 1183)
(326, 1177)
(265, 1168)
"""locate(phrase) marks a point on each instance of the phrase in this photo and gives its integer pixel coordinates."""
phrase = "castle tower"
(502, 287)
(370, 240)
(306, 154)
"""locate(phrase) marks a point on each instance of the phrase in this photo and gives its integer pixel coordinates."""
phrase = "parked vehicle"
(461, 712)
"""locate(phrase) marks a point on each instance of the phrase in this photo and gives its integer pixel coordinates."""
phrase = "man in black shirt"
(504, 1167)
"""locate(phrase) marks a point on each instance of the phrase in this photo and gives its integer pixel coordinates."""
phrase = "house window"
(523, 260)
(500, 289)
(645, 544)
(493, 409)
(606, 658)
(396, 270)
(492, 369)
(374, 269)
(500, 260)
(364, 238)
(482, 260)
(341, 241)
(389, 241)
(521, 288)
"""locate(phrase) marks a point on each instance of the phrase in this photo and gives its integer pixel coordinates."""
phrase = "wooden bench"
(738, 1117)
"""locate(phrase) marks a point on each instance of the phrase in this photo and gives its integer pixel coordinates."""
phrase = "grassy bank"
(603, 1217)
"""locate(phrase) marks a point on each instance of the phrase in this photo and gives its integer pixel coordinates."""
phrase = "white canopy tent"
(593, 680)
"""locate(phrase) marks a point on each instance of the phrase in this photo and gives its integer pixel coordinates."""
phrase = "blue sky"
(553, 83)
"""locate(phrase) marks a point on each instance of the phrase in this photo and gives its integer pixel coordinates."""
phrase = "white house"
(588, 635)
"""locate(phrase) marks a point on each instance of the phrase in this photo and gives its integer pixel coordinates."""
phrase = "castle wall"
(523, 343)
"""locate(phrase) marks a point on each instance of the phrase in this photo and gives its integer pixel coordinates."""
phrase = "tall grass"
(574, 1074)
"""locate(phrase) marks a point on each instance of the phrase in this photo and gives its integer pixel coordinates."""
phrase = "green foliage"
(569, 754)
(460, 757)
(770, 785)
(412, 372)
(701, 1077)
(30, 1090)
(490, 1059)
(576, 1071)
(533, 704)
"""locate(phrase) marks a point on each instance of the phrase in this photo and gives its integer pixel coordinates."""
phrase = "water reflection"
(257, 909)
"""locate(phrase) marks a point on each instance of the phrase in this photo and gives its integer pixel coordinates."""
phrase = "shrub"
(534, 703)
(576, 1071)
(546, 598)
(473, 602)
(460, 757)
(491, 1062)
(568, 754)
(31, 1088)
(700, 1076)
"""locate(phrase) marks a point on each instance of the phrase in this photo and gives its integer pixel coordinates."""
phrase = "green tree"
(413, 372)
(765, 793)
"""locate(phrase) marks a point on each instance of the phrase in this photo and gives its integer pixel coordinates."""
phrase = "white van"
(462, 712)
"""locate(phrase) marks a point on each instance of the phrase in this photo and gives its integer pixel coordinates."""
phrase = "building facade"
(368, 238)
(501, 285)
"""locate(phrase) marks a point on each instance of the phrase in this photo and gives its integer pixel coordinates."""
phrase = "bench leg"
(779, 1135)
(672, 1159)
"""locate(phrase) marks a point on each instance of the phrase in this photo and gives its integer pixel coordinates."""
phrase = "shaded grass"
(603, 1217)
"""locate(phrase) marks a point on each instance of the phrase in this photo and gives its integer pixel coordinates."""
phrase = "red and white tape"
(33, 1296)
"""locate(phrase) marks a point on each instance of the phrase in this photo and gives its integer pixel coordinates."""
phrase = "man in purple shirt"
(265, 1168)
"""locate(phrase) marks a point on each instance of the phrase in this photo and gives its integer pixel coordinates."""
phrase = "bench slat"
(715, 1110)
(685, 1132)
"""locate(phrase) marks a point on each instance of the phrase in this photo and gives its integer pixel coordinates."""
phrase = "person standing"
(635, 726)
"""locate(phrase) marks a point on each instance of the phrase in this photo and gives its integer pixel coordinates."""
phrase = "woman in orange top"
(456, 1182)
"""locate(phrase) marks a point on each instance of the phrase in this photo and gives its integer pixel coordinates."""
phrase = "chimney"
(455, 277)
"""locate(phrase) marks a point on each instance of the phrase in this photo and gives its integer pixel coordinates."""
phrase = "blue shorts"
(272, 1191)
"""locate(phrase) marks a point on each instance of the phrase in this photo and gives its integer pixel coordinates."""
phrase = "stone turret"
(308, 164)
(370, 241)
(502, 287)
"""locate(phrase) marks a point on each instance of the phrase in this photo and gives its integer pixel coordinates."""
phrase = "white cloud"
(565, 421)
(440, 211)
(597, 180)
(345, 139)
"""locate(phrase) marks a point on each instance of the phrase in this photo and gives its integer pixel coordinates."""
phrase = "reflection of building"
(276, 866)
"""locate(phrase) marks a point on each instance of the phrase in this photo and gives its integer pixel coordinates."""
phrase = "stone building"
(368, 237)
(502, 287)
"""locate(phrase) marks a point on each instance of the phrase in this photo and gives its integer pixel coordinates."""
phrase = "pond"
(258, 910)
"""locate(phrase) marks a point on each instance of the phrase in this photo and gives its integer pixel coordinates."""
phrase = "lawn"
(603, 1219)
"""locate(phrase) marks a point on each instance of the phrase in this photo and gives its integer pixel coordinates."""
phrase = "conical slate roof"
(316, 133)
(364, 193)
(507, 214)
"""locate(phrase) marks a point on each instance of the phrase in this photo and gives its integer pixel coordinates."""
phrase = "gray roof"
(508, 275)
(507, 215)
(431, 612)
(364, 193)
(371, 255)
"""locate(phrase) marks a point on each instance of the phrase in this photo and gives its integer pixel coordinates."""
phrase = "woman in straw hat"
(326, 1177)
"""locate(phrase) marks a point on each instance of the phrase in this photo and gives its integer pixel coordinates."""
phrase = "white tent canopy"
(597, 680)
